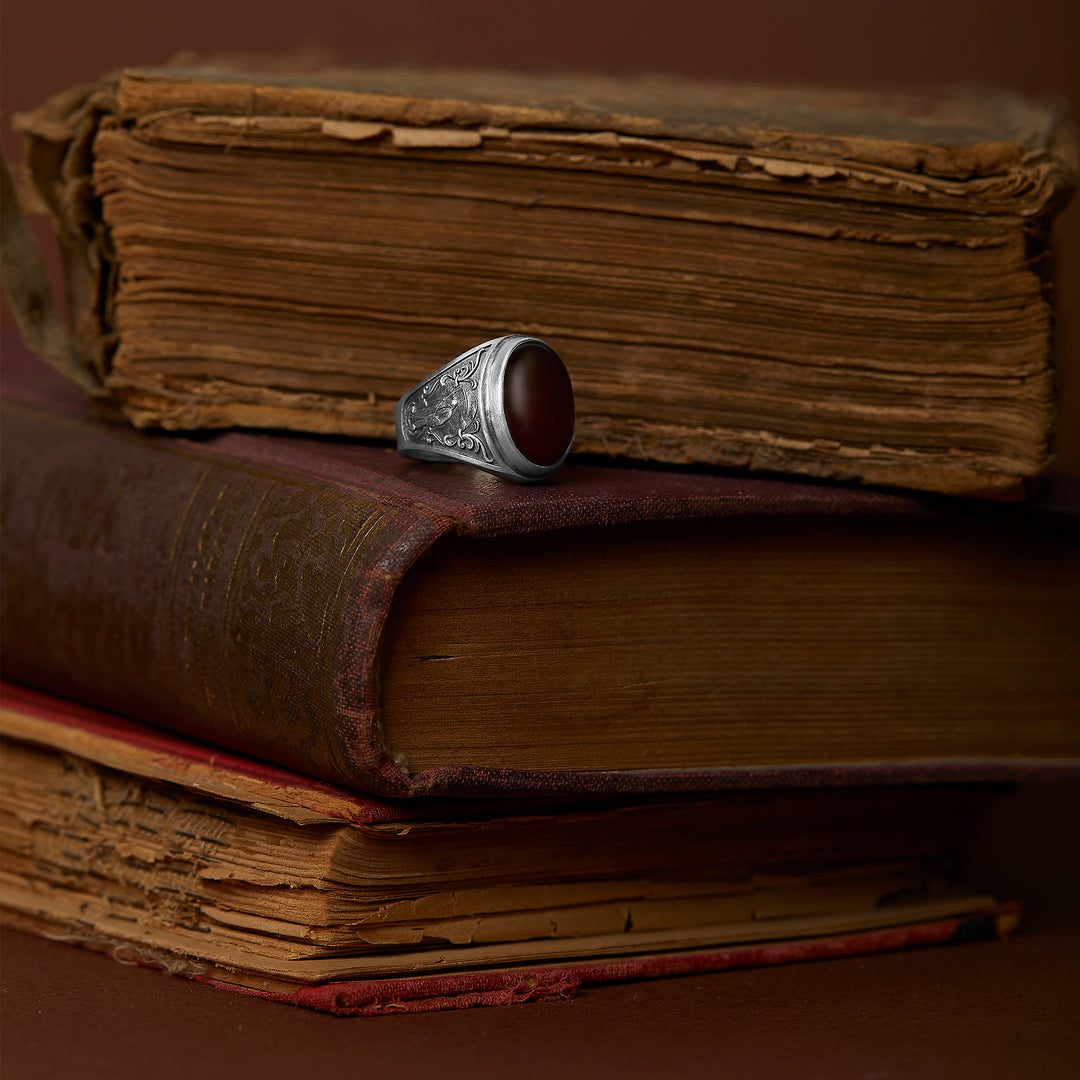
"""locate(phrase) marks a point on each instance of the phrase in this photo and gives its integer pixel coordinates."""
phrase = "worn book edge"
(1007, 157)
(518, 985)
(448, 977)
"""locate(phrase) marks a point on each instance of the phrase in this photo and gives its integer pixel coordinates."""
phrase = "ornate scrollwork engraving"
(446, 410)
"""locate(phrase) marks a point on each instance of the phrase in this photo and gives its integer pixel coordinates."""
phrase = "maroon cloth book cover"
(236, 586)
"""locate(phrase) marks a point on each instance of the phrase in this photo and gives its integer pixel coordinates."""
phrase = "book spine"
(238, 603)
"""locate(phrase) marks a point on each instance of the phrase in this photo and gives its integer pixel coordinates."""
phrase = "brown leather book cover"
(241, 588)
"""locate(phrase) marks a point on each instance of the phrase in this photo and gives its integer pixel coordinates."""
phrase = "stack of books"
(290, 714)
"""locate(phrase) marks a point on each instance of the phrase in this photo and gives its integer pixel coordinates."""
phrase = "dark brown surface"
(987, 1010)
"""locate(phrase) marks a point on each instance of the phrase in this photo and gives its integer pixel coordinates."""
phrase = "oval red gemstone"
(539, 403)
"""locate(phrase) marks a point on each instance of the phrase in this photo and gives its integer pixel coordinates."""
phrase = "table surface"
(1008, 1009)
(986, 1009)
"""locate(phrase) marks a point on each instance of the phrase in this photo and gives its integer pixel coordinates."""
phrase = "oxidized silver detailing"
(457, 414)
(445, 411)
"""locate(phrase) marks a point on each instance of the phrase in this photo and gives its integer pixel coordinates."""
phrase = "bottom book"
(168, 853)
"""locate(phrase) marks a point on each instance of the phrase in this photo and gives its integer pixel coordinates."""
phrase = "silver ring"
(506, 406)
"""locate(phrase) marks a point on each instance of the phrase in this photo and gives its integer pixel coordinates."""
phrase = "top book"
(845, 285)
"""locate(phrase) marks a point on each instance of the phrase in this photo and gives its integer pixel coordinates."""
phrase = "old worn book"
(169, 853)
(417, 629)
(845, 285)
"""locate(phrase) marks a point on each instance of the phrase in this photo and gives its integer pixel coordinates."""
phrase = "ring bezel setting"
(458, 413)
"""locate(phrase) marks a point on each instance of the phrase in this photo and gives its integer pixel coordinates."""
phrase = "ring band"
(505, 406)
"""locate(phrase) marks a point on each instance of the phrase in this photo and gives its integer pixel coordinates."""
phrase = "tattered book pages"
(851, 286)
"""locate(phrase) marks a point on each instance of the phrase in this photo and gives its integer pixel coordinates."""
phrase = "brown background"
(1031, 46)
(981, 1010)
